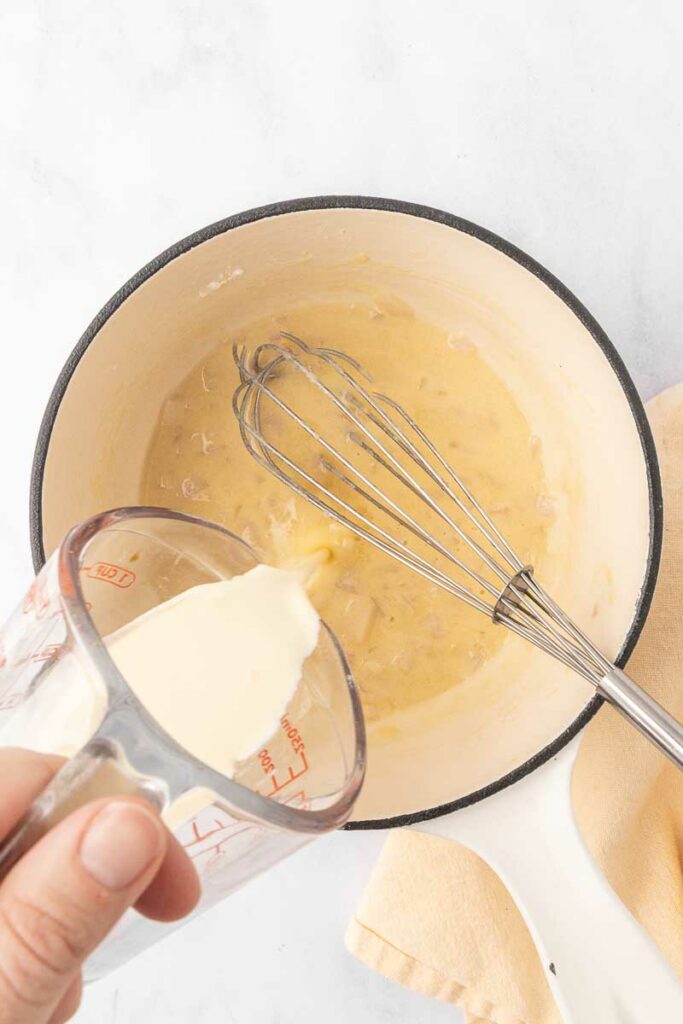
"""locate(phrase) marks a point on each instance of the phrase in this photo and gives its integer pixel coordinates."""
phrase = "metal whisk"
(341, 478)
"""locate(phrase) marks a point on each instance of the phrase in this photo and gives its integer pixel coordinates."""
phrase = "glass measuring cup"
(60, 692)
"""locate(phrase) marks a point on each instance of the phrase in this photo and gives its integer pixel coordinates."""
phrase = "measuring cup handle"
(99, 770)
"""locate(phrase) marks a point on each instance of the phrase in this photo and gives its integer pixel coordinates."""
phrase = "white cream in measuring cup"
(216, 666)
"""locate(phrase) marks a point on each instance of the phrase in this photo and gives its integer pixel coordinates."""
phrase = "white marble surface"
(124, 127)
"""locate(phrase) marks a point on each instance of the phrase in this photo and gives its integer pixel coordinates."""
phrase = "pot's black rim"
(484, 235)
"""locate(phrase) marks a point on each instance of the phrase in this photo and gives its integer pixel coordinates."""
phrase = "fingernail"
(121, 842)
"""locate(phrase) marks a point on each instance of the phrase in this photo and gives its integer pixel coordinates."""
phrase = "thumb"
(64, 896)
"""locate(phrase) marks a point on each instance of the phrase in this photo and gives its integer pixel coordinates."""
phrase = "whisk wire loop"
(388, 437)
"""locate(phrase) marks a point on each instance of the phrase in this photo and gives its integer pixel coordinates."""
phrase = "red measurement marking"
(200, 838)
(216, 848)
(293, 734)
(298, 747)
(107, 572)
(267, 762)
(301, 796)
(48, 653)
(37, 600)
(217, 830)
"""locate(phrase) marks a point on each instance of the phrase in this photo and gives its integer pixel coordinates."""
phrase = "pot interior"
(597, 555)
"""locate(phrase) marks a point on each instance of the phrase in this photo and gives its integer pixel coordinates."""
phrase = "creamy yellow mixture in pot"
(406, 639)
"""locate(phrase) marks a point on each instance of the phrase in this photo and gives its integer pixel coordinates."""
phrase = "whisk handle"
(646, 714)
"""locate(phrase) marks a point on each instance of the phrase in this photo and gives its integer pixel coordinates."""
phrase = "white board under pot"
(490, 762)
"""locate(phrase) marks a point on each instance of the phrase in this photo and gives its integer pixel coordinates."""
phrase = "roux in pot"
(406, 639)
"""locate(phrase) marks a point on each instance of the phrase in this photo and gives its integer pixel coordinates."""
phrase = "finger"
(23, 776)
(64, 896)
(69, 1002)
(175, 889)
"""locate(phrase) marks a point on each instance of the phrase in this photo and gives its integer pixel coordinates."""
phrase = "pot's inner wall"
(593, 459)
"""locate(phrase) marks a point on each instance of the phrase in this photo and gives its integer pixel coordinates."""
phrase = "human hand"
(63, 897)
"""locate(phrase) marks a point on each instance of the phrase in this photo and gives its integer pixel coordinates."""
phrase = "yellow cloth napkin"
(436, 918)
